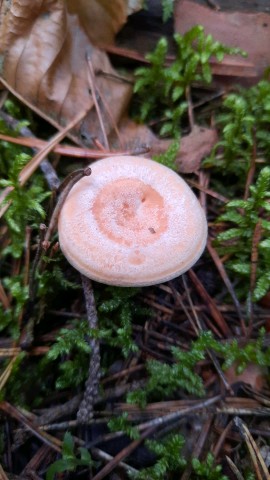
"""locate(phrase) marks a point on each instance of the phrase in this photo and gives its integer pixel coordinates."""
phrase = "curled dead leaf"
(102, 19)
(253, 375)
(193, 148)
(43, 48)
(248, 30)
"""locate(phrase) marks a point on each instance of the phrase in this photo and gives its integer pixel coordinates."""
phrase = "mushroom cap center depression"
(130, 212)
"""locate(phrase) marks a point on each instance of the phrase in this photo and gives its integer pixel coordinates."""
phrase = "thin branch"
(91, 79)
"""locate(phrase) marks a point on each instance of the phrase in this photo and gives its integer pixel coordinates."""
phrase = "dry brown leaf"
(194, 147)
(43, 48)
(102, 19)
(253, 375)
(246, 30)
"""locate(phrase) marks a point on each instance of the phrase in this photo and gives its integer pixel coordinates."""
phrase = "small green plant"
(207, 470)
(168, 158)
(165, 90)
(165, 379)
(169, 458)
(71, 345)
(238, 241)
(167, 450)
(253, 351)
(122, 424)
(244, 125)
(167, 9)
(25, 207)
(116, 310)
(17, 290)
(69, 461)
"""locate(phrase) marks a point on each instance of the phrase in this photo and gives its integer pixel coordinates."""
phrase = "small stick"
(253, 269)
(31, 166)
(32, 290)
(26, 266)
(204, 433)
(112, 464)
(151, 427)
(108, 111)
(69, 150)
(211, 305)
(35, 109)
(100, 454)
(190, 108)
(85, 412)
(35, 162)
(15, 413)
(91, 76)
(260, 468)
(209, 351)
(4, 298)
(252, 167)
(221, 269)
(46, 167)
(27, 255)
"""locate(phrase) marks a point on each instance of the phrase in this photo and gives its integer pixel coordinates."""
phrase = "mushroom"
(133, 222)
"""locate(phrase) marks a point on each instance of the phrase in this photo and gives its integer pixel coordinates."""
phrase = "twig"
(257, 460)
(234, 468)
(253, 270)
(36, 461)
(91, 77)
(31, 166)
(100, 454)
(53, 442)
(205, 430)
(252, 167)
(32, 285)
(46, 167)
(108, 111)
(67, 150)
(209, 351)
(85, 412)
(190, 108)
(34, 163)
(35, 109)
(196, 406)
(4, 298)
(227, 282)
(123, 454)
(221, 439)
(150, 429)
(216, 314)
(6, 373)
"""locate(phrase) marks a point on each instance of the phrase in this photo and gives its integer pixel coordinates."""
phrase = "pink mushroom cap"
(133, 222)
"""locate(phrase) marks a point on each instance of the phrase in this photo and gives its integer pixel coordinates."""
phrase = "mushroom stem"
(85, 412)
